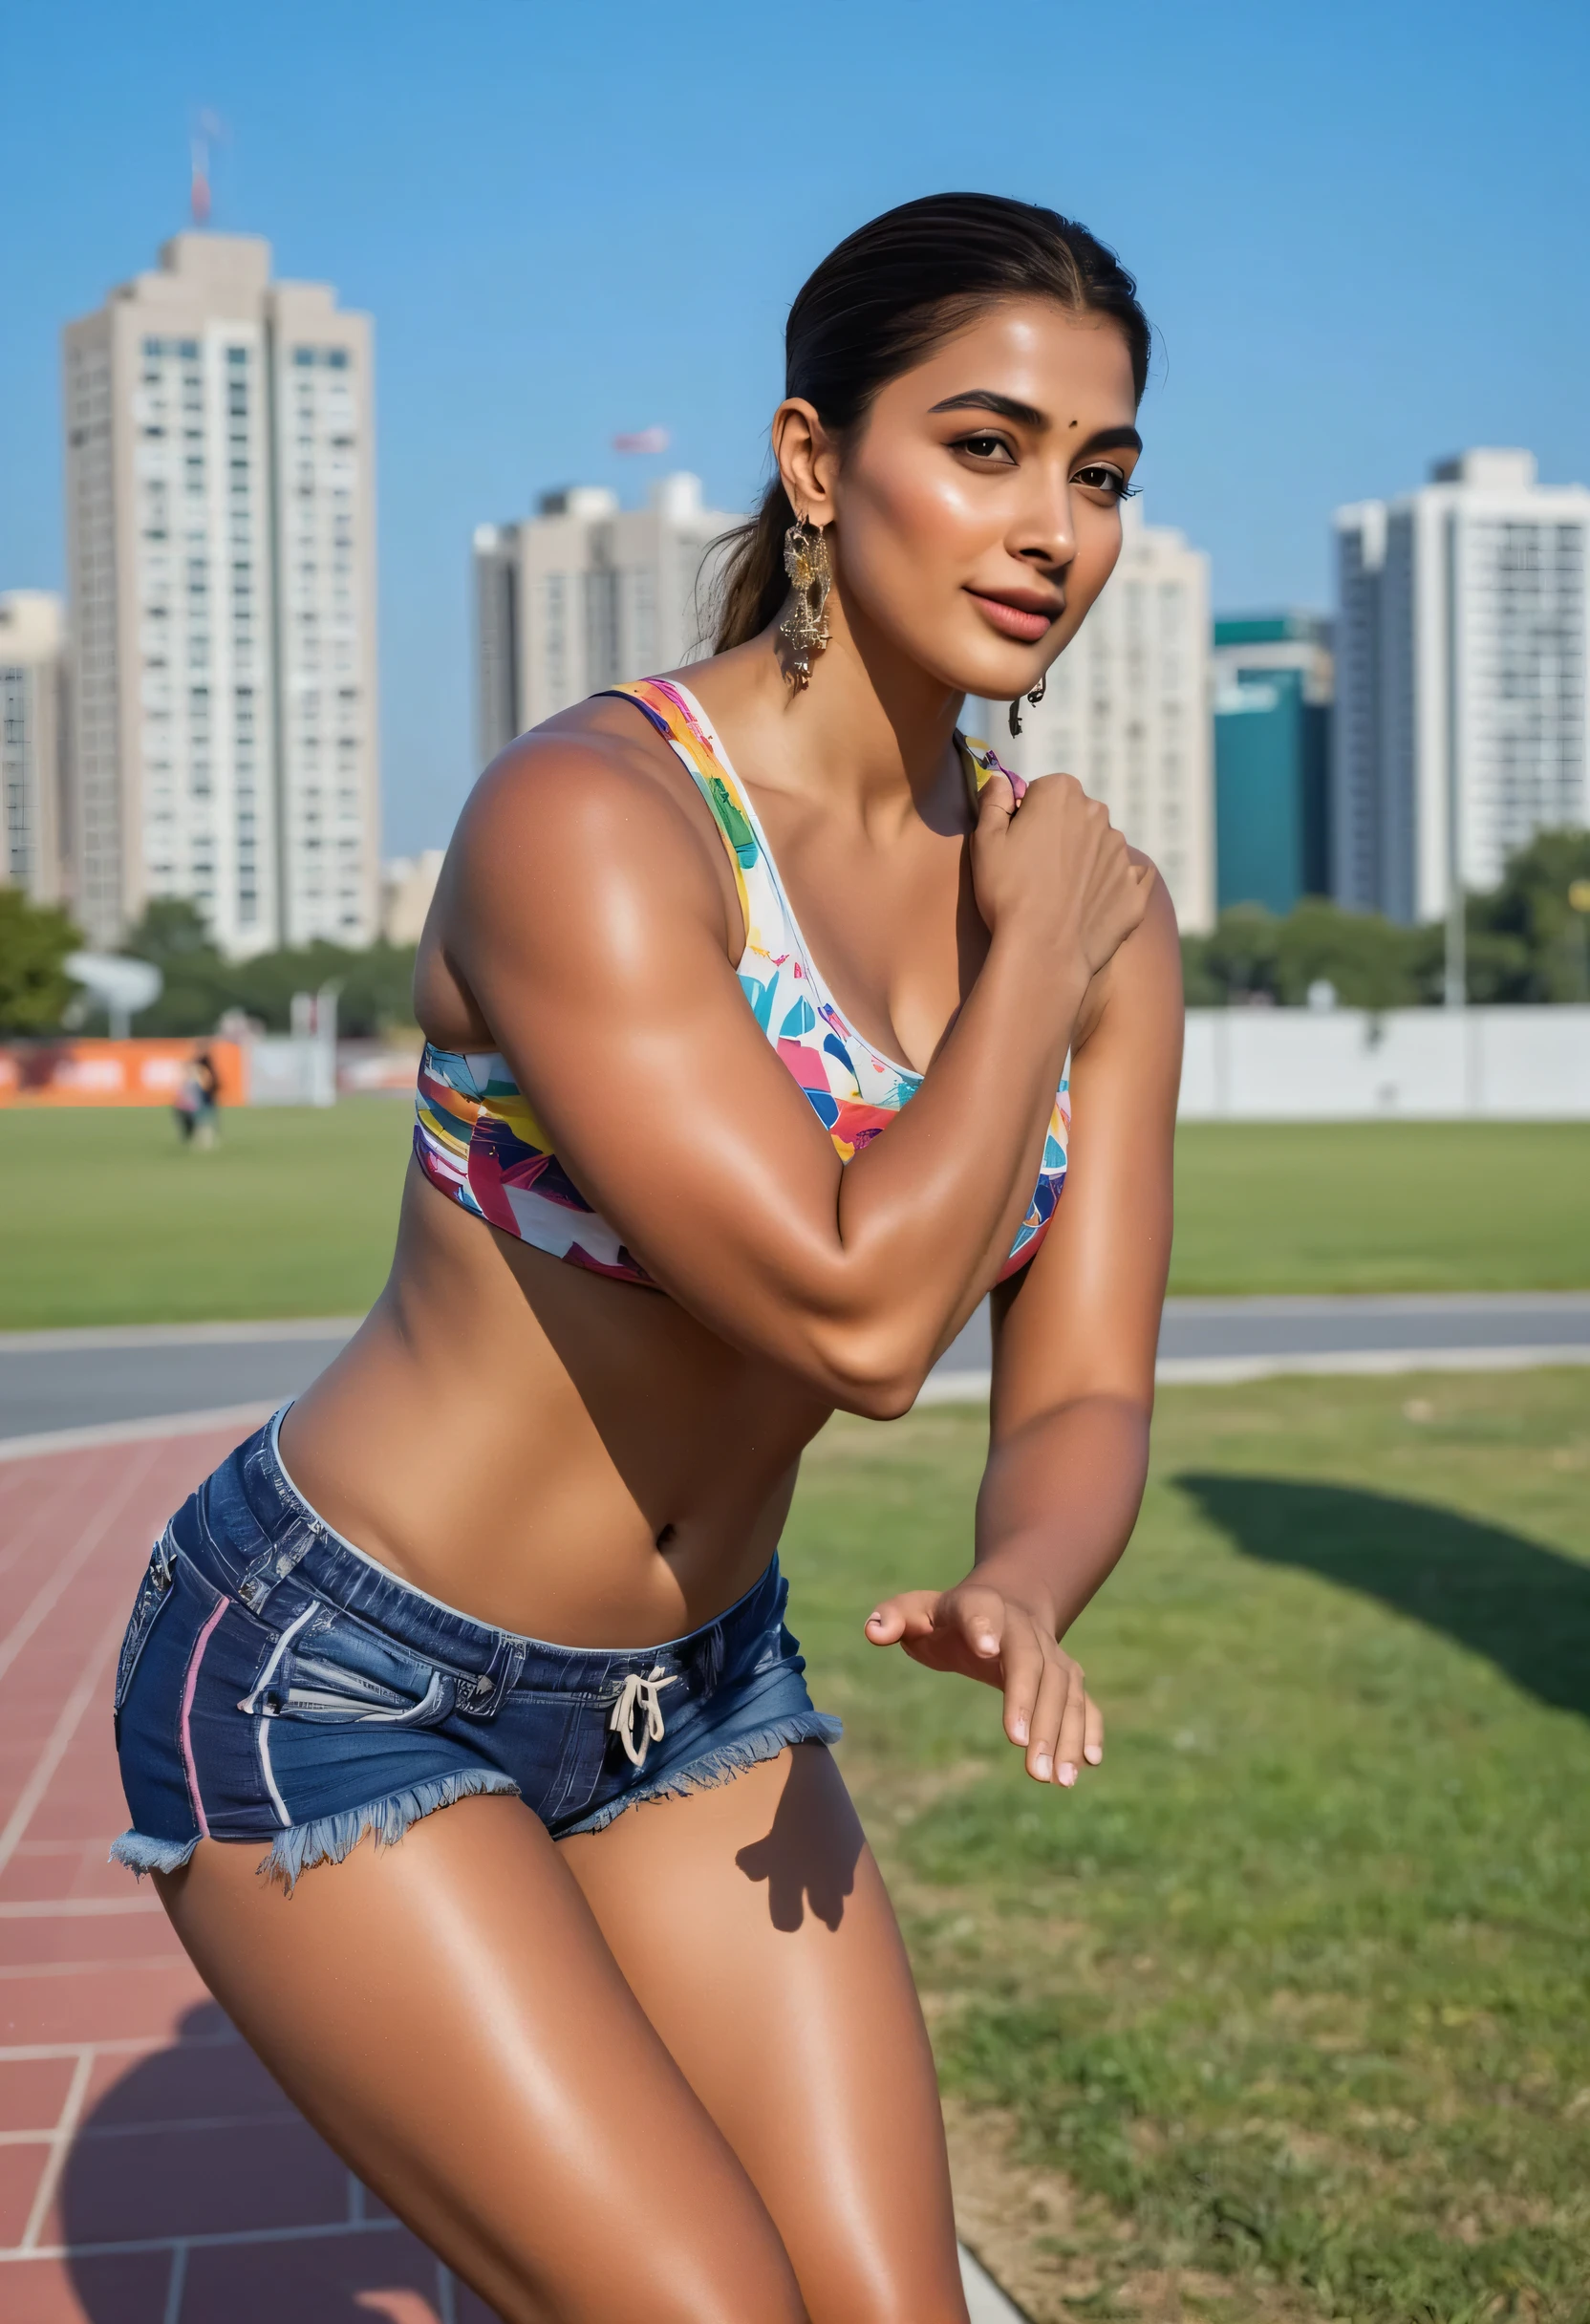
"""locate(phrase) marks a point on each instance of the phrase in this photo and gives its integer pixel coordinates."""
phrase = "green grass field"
(1282, 2014)
(103, 1219)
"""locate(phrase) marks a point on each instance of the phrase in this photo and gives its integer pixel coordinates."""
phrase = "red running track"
(150, 2170)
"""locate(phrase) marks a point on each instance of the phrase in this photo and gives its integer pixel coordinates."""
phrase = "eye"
(992, 450)
(1102, 476)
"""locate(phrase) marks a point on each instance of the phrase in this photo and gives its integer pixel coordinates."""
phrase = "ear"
(807, 458)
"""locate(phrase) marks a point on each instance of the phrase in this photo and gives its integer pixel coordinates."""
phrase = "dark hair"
(880, 303)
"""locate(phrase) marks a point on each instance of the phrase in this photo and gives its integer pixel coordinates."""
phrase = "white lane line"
(176, 2285)
(244, 1417)
(59, 1740)
(1369, 1362)
(1350, 1362)
(44, 2194)
(178, 1335)
(1227, 1307)
(126, 2045)
(77, 1907)
(42, 1512)
(318, 2231)
(74, 1561)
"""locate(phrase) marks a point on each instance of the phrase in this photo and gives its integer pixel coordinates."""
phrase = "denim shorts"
(277, 1685)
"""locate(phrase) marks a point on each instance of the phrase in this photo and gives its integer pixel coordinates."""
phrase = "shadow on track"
(196, 2142)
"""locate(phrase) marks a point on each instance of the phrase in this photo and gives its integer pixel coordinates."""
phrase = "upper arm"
(1082, 1317)
(583, 917)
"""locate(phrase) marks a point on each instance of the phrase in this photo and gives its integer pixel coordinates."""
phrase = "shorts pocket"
(153, 1593)
(329, 1670)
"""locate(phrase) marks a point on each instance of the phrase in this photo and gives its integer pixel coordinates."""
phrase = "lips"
(1022, 618)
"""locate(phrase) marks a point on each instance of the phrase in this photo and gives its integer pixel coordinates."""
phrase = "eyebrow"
(1028, 415)
(987, 400)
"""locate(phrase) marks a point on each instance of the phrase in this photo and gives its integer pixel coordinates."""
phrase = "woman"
(628, 2029)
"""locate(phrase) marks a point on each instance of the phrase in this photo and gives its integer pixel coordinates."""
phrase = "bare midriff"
(568, 1457)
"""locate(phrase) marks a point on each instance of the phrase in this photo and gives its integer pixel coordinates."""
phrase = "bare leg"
(447, 2014)
(753, 1926)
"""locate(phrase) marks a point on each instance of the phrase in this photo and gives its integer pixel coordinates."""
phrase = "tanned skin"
(676, 2070)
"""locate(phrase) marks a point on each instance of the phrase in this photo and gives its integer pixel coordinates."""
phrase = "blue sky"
(1359, 230)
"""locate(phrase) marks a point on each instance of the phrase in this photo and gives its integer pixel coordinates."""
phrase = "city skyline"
(1340, 295)
(220, 484)
(1461, 680)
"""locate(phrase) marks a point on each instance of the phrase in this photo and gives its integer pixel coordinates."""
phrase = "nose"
(1044, 533)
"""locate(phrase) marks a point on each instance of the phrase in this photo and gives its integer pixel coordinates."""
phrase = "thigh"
(753, 1926)
(448, 2015)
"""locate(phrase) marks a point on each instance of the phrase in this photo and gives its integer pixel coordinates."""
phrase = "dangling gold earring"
(805, 627)
(1035, 698)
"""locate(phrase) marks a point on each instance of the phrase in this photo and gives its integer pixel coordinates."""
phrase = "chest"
(889, 927)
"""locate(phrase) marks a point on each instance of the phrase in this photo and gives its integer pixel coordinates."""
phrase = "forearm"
(1058, 1500)
(923, 1213)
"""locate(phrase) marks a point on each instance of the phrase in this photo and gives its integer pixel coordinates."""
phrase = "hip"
(276, 1683)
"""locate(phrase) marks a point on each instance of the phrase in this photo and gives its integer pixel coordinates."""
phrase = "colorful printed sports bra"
(476, 1135)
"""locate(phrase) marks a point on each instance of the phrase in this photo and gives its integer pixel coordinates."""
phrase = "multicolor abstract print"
(476, 1136)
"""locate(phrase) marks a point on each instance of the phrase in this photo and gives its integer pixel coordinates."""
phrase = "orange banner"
(112, 1072)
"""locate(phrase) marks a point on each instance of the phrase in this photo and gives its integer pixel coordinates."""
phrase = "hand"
(1051, 862)
(984, 1633)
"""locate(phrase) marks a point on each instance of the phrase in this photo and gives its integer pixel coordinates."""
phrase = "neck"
(871, 735)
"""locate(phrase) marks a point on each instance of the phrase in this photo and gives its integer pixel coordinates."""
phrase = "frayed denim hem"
(327, 1838)
(715, 1767)
(140, 1854)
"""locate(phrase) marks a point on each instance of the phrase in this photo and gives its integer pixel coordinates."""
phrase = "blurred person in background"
(198, 1101)
(756, 1001)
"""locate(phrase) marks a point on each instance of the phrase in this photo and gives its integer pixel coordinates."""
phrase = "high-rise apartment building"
(1462, 640)
(32, 744)
(220, 528)
(1127, 711)
(1273, 682)
(585, 594)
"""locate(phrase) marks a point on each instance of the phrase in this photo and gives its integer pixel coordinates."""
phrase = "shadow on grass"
(1526, 1609)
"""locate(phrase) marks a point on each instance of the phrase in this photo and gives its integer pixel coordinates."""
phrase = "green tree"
(1371, 962)
(375, 984)
(35, 941)
(1546, 940)
(173, 928)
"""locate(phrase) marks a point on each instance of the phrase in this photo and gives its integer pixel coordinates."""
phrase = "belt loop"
(482, 1698)
(274, 1563)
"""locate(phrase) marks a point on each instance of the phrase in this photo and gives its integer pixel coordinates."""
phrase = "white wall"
(1276, 1064)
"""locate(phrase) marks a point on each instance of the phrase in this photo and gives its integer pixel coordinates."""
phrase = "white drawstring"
(641, 1694)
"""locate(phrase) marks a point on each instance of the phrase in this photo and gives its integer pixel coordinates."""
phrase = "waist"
(253, 1535)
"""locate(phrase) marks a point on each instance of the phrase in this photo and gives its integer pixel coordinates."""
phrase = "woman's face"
(977, 513)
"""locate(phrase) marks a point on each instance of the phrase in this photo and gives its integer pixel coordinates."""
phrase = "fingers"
(910, 1614)
(1073, 1730)
(995, 801)
(1048, 1712)
(1046, 1720)
(982, 1620)
(1067, 1731)
(1024, 1677)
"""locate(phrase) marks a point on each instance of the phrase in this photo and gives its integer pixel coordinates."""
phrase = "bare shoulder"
(585, 807)
(1140, 987)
